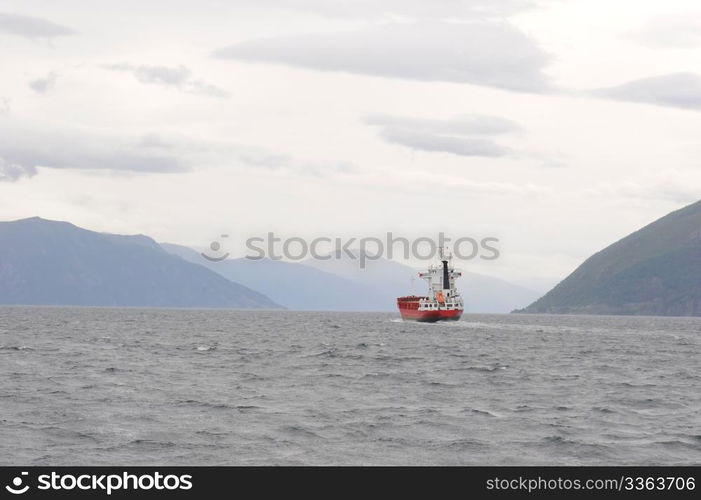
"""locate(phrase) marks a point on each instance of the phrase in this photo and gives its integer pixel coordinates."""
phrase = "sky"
(555, 126)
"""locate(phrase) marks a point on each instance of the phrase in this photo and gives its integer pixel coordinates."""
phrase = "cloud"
(179, 77)
(164, 75)
(12, 171)
(204, 88)
(672, 31)
(465, 135)
(493, 54)
(412, 9)
(43, 85)
(32, 27)
(678, 90)
(23, 150)
(24, 161)
(445, 144)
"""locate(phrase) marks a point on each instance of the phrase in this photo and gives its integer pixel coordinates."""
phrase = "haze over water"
(96, 386)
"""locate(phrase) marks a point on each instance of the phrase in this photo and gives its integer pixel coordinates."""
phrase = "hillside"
(654, 271)
(46, 262)
(341, 285)
(293, 285)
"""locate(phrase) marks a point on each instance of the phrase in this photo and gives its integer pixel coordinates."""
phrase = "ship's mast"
(446, 271)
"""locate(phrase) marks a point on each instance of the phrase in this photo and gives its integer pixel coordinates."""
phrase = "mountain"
(389, 279)
(45, 262)
(341, 285)
(654, 271)
(295, 286)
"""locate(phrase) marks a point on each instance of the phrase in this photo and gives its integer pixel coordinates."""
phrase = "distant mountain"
(389, 279)
(46, 262)
(341, 285)
(293, 285)
(654, 271)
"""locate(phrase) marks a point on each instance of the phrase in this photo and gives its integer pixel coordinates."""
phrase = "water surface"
(90, 386)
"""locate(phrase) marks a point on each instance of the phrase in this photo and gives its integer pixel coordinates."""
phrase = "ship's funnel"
(446, 276)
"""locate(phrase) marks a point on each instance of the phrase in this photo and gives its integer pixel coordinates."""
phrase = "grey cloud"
(465, 135)
(164, 75)
(43, 85)
(447, 144)
(179, 77)
(493, 54)
(204, 88)
(676, 31)
(679, 90)
(22, 151)
(71, 156)
(32, 27)
(12, 171)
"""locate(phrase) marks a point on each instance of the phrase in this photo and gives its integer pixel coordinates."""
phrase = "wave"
(299, 430)
(152, 442)
(214, 405)
(484, 413)
(486, 368)
(603, 409)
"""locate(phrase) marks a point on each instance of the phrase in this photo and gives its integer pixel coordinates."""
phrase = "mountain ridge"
(339, 284)
(45, 262)
(655, 270)
(293, 285)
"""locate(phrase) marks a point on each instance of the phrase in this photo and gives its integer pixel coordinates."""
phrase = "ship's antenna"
(445, 253)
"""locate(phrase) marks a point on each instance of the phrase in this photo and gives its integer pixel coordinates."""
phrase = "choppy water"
(158, 387)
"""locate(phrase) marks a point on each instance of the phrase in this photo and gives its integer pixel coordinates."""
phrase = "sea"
(109, 386)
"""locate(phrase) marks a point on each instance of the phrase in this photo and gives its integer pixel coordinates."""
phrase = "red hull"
(431, 316)
(408, 308)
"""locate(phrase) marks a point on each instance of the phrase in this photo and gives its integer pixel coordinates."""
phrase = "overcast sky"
(556, 126)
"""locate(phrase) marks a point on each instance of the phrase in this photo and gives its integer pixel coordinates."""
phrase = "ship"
(443, 302)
